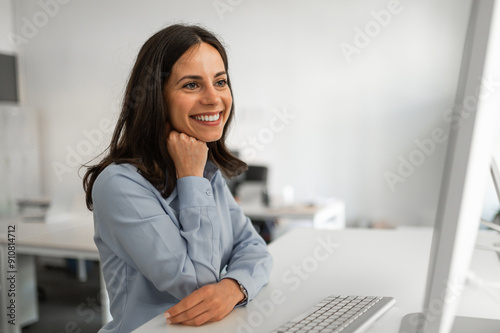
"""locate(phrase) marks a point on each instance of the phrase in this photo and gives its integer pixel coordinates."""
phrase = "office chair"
(251, 188)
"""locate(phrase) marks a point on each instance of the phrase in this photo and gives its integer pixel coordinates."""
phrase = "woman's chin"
(208, 137)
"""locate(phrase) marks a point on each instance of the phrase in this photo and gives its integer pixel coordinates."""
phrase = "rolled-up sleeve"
(176, 258)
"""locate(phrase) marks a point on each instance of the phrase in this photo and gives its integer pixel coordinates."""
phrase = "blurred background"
(339, 104)
(337, 98)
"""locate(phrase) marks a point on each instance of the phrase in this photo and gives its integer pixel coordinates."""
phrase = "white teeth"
(208, 118)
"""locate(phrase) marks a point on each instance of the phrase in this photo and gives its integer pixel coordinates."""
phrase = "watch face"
(244, 291)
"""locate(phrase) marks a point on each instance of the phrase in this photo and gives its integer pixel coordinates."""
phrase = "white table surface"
(72, 239)
(32, 237)
(366, 262)
(328, 216)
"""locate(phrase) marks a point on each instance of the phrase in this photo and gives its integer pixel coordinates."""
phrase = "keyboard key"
(337, 314)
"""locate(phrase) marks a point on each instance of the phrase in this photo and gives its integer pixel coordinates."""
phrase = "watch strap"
(245, 293)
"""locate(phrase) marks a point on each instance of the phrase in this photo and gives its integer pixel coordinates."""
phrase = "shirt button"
(208, 192)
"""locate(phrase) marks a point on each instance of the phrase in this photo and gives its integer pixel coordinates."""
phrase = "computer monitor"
(472, 132)
(8, 78)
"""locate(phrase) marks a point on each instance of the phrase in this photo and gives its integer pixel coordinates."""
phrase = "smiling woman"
(171, 237)
(197, 94)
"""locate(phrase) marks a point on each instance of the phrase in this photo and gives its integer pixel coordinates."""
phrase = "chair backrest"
(252, 189)
(256, 173)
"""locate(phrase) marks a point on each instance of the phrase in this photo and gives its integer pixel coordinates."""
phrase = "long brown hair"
(140, 136)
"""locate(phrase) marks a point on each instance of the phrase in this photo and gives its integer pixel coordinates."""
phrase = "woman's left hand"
(207, 304)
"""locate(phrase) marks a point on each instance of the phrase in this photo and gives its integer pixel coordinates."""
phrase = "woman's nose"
(210, 96)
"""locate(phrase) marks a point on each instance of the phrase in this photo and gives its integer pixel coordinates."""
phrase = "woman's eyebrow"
(191, 77)
(220, 73)
(198, 77)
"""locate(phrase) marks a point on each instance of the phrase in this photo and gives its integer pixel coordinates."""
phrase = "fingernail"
(166, 315)
(168, 321)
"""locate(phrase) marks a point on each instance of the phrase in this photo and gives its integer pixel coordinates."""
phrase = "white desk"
(330, 216)
(366, 262)
(64, 240)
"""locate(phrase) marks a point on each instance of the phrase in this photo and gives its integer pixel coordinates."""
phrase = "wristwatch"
(245, 293)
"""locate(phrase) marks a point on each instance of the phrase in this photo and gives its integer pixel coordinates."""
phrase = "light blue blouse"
(156, 251)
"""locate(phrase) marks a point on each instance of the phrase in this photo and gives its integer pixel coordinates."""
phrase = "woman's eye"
(191, 85)
(221, 83)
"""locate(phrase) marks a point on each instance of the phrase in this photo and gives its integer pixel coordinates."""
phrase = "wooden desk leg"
(105, 313)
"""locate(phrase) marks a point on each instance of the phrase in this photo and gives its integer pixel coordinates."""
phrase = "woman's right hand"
(189, 154)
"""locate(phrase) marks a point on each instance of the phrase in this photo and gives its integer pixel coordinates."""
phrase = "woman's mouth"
(208, 118)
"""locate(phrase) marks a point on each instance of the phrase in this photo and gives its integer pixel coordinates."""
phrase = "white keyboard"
(335, 314)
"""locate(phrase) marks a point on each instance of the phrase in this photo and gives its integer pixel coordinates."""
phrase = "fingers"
(192, 310)
(188, 153)
(198, 315)
(174, 136)
(190, 318)
(188, 314)
(188, 302)
(206, 304)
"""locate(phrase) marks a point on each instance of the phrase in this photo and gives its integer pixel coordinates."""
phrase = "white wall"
(6, 26)
(353, 120)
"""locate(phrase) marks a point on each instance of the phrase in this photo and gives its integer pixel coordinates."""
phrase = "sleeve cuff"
(245, 302)
(246, 282)
(194, 192)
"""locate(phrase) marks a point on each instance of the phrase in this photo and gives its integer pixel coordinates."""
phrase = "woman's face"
(197, 95)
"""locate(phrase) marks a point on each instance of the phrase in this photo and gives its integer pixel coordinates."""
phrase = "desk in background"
(280, 220)
(310, 264)
(74, 240)
(331, 216)
(63, 240)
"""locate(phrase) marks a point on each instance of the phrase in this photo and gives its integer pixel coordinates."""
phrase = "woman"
(170, 236)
